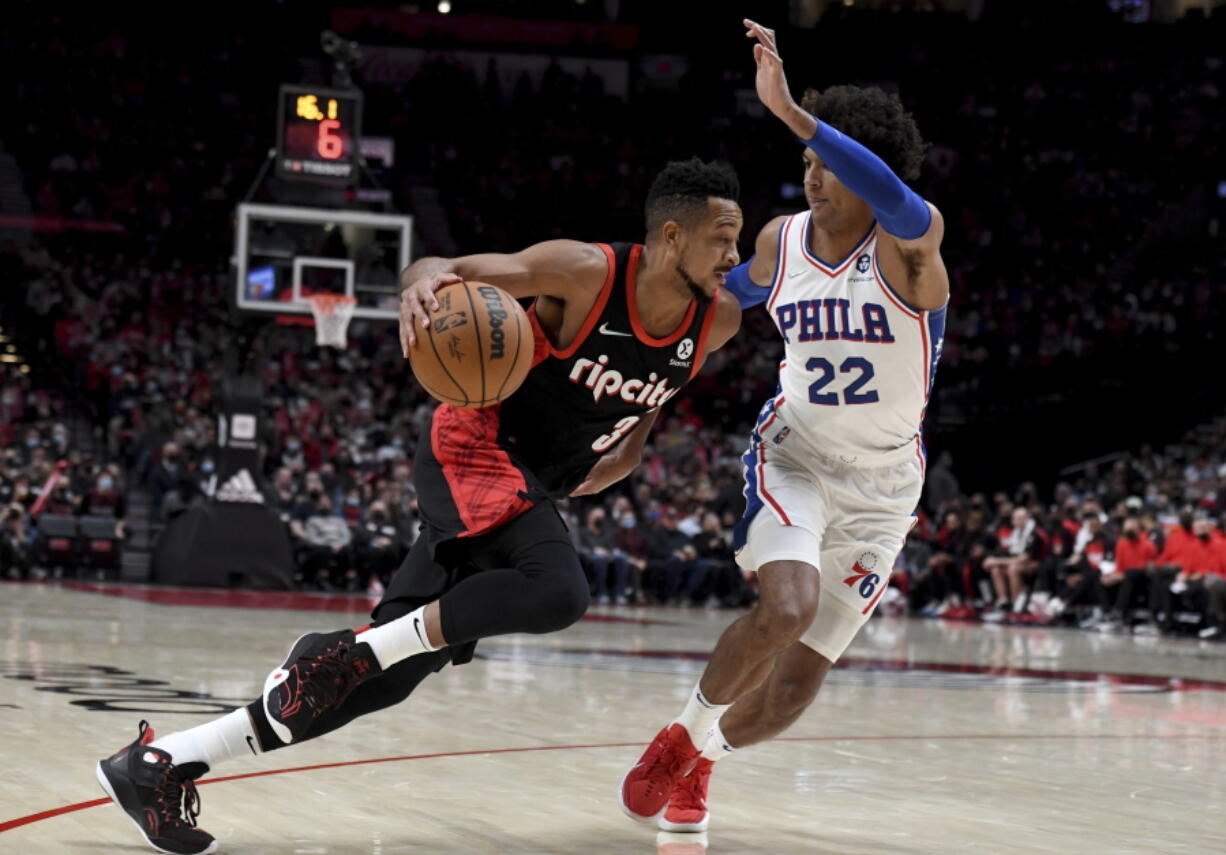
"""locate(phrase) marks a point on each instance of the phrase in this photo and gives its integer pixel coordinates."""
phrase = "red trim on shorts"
(700, 352)
(762, 491)
(632, 270)
(484, 484)
(597, 307)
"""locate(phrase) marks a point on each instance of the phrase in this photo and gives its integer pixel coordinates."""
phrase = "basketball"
(478, 347)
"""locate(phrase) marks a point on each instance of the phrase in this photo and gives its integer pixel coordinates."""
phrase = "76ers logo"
(862, 574)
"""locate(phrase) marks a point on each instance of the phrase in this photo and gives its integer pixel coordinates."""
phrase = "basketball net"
(332, 315)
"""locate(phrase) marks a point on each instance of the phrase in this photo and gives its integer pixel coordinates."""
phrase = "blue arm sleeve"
(747, 292)
(898, 208)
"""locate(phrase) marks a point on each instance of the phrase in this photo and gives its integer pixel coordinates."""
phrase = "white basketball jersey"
(858, 361)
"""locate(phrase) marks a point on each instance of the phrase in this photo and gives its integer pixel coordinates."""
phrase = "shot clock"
(317, 133)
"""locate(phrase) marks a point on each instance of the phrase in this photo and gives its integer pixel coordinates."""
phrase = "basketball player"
(619, 329)
(857, 288)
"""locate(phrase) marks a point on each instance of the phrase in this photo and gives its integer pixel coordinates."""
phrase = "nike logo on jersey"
(794, 273)
(251, 745)
(604, 330)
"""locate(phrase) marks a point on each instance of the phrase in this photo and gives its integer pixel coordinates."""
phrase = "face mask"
(33, 442)
(293, 446)
(351, 501)
(105, 484)
(206, 466)
(627, 522)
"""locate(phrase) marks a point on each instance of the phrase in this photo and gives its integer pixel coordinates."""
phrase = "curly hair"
(681, 190)
(875, 119)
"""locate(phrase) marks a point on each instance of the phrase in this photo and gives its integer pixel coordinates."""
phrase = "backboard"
(282, 253)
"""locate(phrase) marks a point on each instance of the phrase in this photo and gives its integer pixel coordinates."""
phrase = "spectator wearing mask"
(170, 484)
(1135, 555)
(608, 567)
(378, 550)
(324, 539)
(630, 541)
(106, 499)
(1188, 590)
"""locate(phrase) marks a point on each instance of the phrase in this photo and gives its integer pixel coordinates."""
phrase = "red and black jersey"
(484, 467)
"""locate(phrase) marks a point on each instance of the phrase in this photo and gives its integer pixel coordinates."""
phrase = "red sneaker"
(646, 787)
(687, 803)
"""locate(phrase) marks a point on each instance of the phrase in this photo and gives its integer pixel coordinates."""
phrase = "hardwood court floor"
(933, 737)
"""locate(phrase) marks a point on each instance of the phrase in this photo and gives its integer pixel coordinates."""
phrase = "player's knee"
(781, 622)
(788, 604)
(565, 601)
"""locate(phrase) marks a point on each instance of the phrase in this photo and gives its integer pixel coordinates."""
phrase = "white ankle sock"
(699, 716)
(717, 746)
(399, 639)
(221, 739)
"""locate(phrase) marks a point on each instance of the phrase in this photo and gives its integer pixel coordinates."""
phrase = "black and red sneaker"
(156, 795)
(321, 670)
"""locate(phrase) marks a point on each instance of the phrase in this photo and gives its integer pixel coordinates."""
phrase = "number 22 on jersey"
(853, 393)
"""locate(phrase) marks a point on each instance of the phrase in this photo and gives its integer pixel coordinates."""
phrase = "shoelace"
(178, 793)
(664, 771)
(335, 667)
(689, 792)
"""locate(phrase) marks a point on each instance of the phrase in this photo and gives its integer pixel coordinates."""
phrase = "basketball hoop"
(332, 315)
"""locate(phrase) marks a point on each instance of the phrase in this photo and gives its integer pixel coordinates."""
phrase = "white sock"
(399, 639)
(220, 739)
(717, 746)
(699, 716)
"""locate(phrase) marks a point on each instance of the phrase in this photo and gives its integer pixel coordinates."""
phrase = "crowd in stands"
(42, 471)
(1060, 251)
(1137, 544)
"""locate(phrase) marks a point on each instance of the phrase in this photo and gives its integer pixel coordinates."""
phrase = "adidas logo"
(240, 488)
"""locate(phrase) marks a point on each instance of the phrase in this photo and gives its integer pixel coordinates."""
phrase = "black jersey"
(579, 403)
(483, 467)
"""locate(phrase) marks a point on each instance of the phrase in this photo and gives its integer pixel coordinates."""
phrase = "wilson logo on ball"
(497, 316)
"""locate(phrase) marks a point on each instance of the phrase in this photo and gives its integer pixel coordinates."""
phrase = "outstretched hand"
(772, 83)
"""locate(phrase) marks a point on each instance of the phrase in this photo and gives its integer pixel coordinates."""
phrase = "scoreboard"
(317, 133)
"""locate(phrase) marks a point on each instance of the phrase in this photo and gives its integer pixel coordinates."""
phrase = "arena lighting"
(9, 357)
(444, 6)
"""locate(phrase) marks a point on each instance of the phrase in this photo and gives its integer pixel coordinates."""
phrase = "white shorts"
(848, 522)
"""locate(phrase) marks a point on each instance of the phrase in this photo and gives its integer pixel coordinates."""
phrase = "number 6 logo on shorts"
(862, 574)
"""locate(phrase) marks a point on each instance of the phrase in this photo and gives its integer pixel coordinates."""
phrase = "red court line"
(9, 825)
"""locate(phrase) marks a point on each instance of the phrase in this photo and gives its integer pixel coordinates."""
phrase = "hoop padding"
(332, 315)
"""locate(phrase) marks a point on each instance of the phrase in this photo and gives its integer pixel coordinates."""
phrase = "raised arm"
(913, 228)
(560, 269)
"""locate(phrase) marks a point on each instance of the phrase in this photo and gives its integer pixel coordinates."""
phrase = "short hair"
(875, 119)
(680, 192)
